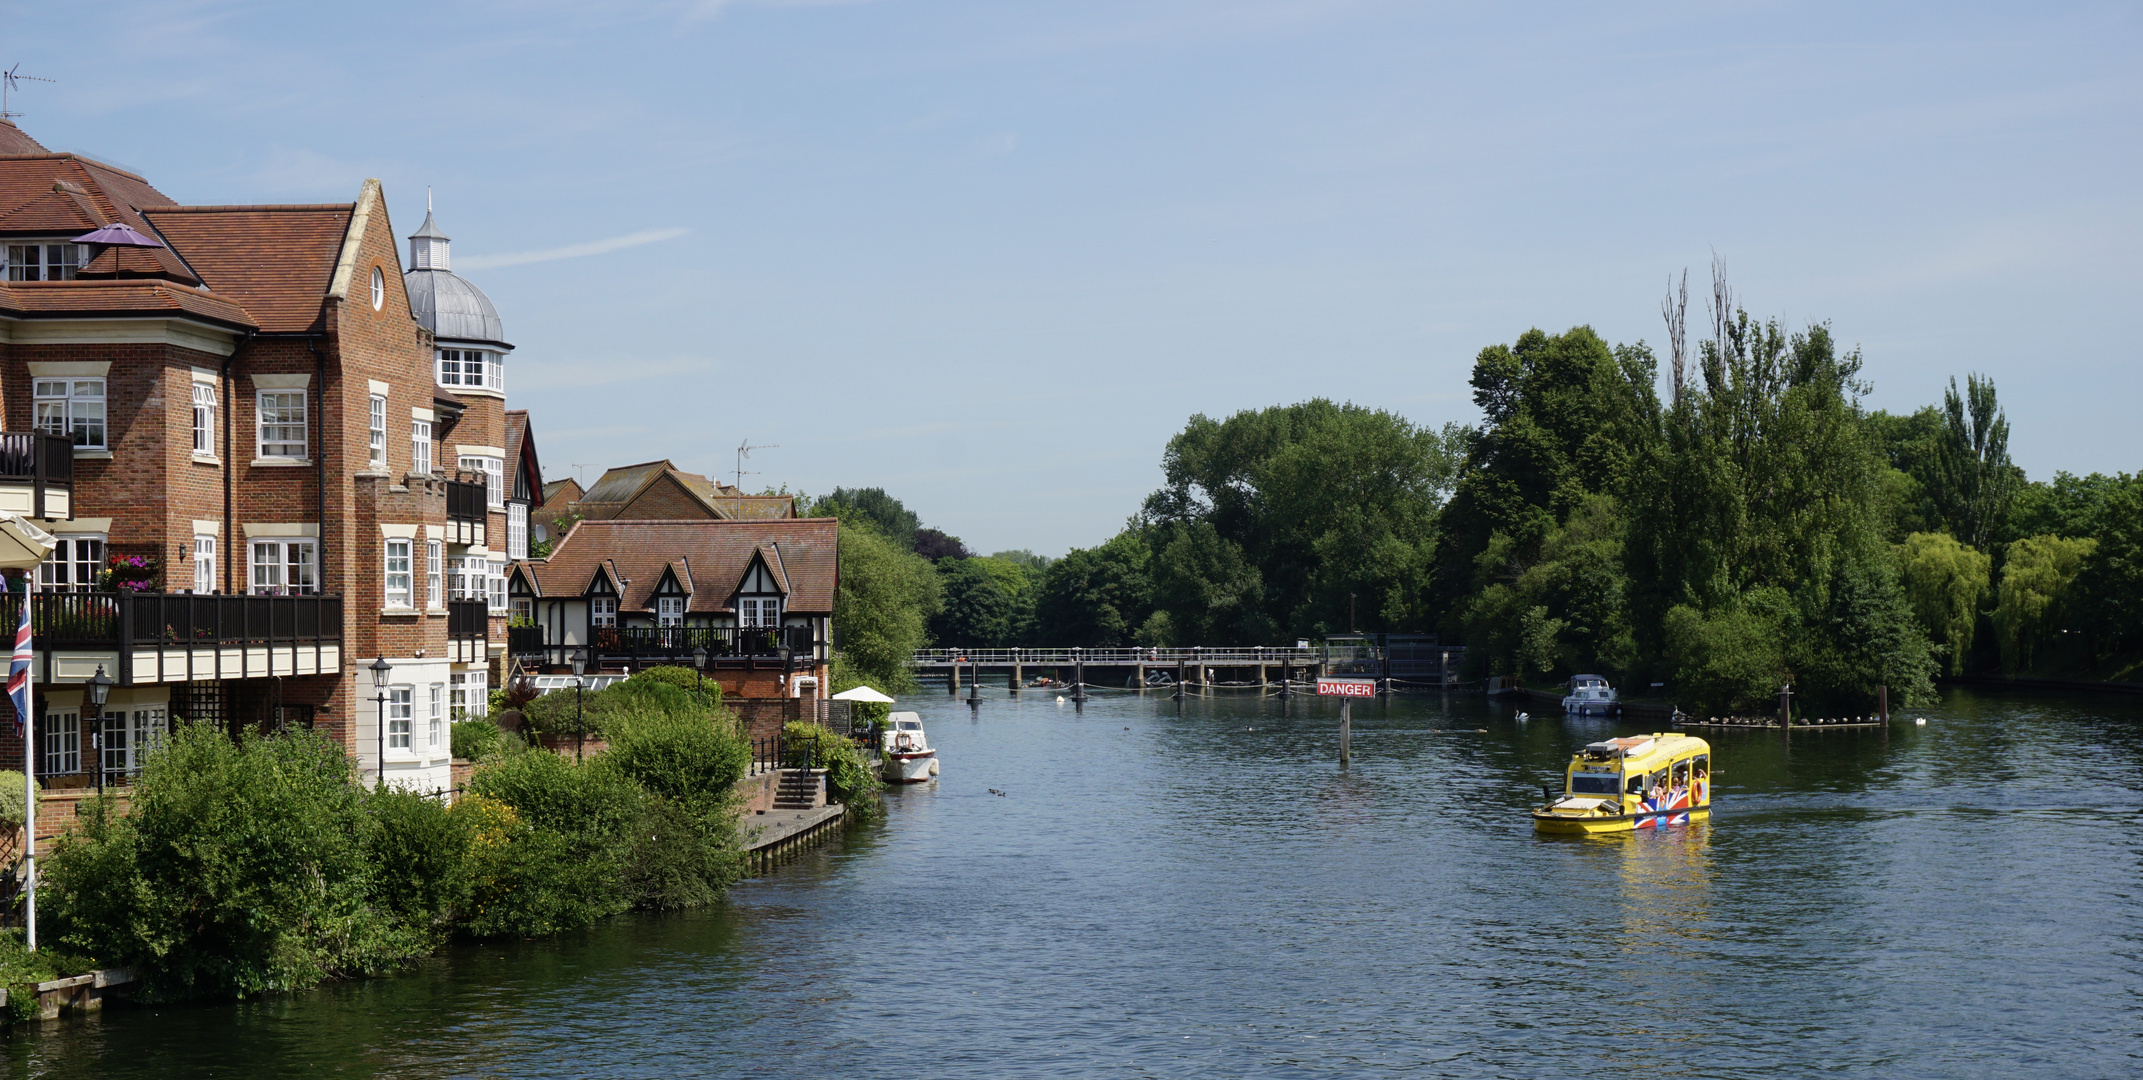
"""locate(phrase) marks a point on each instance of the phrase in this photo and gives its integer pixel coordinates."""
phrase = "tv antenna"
(577, 467)
(744, 450)
(9, 84)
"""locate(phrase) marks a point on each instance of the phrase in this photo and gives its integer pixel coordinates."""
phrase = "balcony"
(468, 628)
(722, 646)
(36, 474)
(183, 637)
(467, 510)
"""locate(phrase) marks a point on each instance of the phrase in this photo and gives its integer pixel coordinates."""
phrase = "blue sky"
(990, 256)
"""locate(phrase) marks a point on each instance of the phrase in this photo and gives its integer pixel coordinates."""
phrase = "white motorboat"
(905, 750)
(1591, 696)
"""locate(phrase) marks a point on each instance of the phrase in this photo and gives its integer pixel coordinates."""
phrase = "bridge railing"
(1229, 655)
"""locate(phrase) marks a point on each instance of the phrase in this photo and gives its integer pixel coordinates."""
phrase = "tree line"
(1731, 523)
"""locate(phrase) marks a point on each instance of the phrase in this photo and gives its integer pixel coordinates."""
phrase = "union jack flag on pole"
(18, 670)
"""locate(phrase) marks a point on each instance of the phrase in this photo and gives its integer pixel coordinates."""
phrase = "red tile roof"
(716, 555)
(277, 261)
(13, 141)
(127, 296)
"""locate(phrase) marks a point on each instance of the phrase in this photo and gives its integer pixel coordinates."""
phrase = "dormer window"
(43, 262)
(476, 369)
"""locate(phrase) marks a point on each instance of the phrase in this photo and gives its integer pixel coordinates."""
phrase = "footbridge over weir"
(1399, 661)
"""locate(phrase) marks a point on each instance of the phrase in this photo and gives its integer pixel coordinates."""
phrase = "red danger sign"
(1347, 687)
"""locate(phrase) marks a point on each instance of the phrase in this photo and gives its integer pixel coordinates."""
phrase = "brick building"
(269, 456)
(660, 491)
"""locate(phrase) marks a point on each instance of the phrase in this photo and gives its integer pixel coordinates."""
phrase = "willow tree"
(1945, 581)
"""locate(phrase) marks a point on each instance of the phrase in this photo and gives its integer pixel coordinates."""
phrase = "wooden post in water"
(952, 679)
(1018, 673)
(1346, 732)
(1882, 708)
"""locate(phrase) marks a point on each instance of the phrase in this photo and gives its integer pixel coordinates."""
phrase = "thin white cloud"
(570, 251)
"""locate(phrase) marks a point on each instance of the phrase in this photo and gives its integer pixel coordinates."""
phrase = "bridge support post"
(952, 678)
(1139, 667)
(1264, 678)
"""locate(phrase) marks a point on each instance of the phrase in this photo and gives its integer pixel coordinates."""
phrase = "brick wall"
(665, 500)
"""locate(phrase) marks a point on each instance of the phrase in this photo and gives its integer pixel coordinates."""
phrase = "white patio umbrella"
(863, 693)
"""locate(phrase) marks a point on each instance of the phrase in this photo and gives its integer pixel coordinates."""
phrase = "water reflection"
(1196, 889)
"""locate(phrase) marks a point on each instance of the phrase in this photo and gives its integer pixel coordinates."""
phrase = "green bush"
(419, 854)
(241, 868)
(705, 692)
(11, 805)
(21, 970)
(565, 869)
(477, 740)
(849, 779)
(689, 765)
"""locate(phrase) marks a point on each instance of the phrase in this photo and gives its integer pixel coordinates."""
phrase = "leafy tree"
(982, 608)
(1208, 590)
(1973, 482)
(1326, 504)
(935, 545)
(1097, 597)
(1025, 560)
(2037, 595)
(886, 597)
(2067, 505)
(874, 508)
(1944, 580)
(2111, 585)
(1561, 610)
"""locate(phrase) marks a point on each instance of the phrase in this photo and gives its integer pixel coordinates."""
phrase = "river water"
(1203, 892)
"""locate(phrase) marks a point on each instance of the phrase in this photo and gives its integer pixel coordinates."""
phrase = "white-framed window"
(469, 698)
(494, 473)
(126, 737)
(204, 419)
(376, 431)
(761, 612)
(475, 368)
(282, 423)
(603, 611)
(73, 565)
(524, 609)
(495, 582)
(204, 563)
(420, 447)
(669, 611)
(517, 530)
(400, 704)
(437, 717)
(469, 579)
(71, 407)
(434, 574)
(399, 574)
(43, 262)
(285, 568)
(60, 743)
(379, 288)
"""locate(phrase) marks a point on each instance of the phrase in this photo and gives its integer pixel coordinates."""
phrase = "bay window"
(437, 716)
(517, 530)
(494, 474)
(420, 447)
(434, 591)
(469, 699)
(60, 743)
(477, 369)
(495, 581)
(70, 407)
(399, 706)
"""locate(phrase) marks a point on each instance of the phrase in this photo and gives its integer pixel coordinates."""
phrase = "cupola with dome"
(470, 340)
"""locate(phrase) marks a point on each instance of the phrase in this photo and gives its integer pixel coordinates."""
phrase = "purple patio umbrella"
(120, 233)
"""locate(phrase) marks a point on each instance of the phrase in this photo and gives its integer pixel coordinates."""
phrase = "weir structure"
(1397, 661)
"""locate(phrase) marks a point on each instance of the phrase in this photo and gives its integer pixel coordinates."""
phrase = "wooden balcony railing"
(465, 502)
(45, 462)
(468, 619)
(676, 644)
(123, 619)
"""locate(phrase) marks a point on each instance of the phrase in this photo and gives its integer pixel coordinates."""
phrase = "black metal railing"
(466, 502)
(110, 620)
(718, 642)
(524, 640)
(783, 751)
(468, 619)
(45, 462)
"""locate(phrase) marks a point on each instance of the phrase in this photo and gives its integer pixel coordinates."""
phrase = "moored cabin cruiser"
(908, 758)
(1590, 694)
(1639, 782)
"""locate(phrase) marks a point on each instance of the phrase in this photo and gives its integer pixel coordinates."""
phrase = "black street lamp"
(580, 730)
(99, 689)
(379, 669)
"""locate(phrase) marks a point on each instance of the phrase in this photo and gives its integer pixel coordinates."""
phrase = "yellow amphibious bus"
(1640, 782)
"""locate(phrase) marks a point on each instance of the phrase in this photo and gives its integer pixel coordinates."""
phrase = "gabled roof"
(521, 455)
(802, 552)
(275, 260)
(13, 141)
(615, 492)
(59, 210)
(769, 555)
